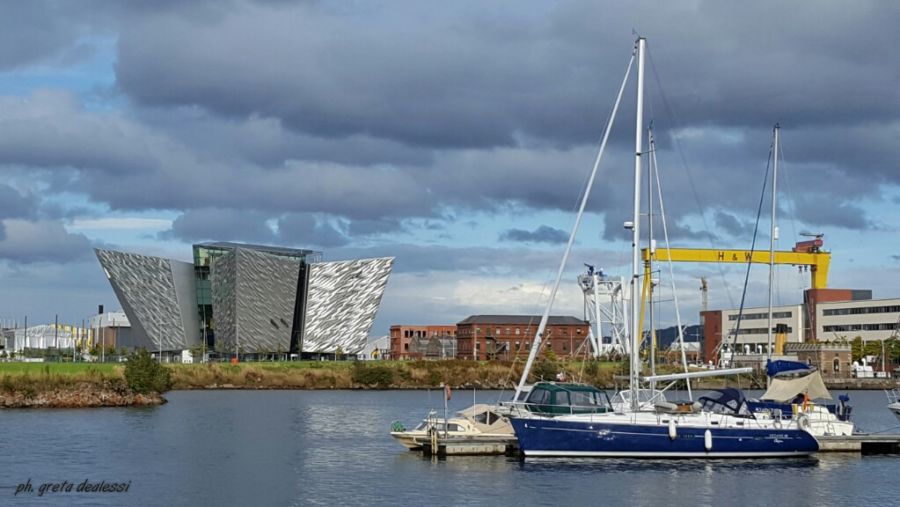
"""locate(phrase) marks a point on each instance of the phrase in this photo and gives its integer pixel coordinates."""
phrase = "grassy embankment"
(311, 374)
(36, 377)
(39, 377)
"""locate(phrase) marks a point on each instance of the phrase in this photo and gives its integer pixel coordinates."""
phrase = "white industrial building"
(828, 315)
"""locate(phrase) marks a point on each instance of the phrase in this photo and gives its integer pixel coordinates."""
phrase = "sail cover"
(785, 367)
(784, 390)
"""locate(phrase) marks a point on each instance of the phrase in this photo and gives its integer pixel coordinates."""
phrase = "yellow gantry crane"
(805, 254)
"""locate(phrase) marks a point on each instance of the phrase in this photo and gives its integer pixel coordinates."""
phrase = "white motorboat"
(479, 420)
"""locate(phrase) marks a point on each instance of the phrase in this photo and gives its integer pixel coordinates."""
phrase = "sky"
(456, 137)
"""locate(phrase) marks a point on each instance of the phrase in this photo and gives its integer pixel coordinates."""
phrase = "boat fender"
(707, 440)
(672, 431)
(803, 422)
(777, 422)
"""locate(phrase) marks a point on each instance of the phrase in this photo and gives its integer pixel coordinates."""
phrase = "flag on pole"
(447, 392)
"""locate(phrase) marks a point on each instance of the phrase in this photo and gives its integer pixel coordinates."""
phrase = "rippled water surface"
(333, 448)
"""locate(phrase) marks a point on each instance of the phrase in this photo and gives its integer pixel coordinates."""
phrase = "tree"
(145, 375)
(856, 348)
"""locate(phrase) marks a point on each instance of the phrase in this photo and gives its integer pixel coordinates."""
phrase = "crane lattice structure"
(606, 308)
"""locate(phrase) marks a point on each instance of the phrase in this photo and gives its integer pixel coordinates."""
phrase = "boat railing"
(565, 409)
(893, 395)
(648, 399)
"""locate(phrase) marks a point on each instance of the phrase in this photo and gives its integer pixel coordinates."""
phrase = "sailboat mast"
(538, 336)
(652, 249)
(773, 235)
(636, 228)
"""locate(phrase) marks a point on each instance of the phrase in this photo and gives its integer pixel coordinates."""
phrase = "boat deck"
(861, 443)
(482, 446)
(471, 446)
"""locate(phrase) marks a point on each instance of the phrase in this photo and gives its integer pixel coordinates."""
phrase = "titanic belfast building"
(250, 299)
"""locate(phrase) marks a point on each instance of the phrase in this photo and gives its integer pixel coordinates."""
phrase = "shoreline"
(64, 385)
(81, 395)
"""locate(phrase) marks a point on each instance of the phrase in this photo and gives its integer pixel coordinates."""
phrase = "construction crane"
(806, 254)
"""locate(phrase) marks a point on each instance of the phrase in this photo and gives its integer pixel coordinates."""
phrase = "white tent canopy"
(42, 337)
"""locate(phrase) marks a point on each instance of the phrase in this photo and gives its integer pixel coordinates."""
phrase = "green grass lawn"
(37, 369)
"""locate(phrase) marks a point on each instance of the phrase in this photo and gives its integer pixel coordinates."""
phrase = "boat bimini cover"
(784, 390)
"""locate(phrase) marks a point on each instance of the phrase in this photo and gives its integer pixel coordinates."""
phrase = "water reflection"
(333, 448)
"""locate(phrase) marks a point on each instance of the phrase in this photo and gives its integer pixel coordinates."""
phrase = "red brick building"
(505, 336)
(402, 336)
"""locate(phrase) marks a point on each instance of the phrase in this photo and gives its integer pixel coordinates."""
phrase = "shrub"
(145, 375)
(372, 375)
(545, 369)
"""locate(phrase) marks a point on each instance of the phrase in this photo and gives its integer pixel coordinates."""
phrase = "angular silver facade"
(248, 294)
(341, 303)
(254, 294)
(158, 296)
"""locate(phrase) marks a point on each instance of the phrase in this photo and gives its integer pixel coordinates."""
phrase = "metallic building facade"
(158, 296)
(254, 295)
(249, 298)
(341, 303)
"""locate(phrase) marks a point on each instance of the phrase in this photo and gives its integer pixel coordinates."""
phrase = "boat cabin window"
(726, 401)
(539, 396)
(487, 418)
(567, 399)
(439, 427)
(584, 399)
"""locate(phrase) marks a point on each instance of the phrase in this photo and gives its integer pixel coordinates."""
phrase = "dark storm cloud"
(369, 122)
(480, 260)
(220, 225)
(364, 228)
(50, 129)
(732, 224)
(832, 212)
(543, 234)
(33, 31)
(28, 242)
(338, 72)
(13, 204)
(306, 229)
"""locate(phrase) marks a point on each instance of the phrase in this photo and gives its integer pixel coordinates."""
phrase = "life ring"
(803, 422)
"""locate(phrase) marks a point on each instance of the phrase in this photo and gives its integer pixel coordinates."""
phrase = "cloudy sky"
(455, 136)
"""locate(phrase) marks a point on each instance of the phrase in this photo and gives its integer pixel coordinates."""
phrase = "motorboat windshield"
(726, 401)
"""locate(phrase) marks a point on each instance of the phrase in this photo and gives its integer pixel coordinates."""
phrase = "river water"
(333, 448)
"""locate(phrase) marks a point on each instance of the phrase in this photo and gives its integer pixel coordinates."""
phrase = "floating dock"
(861, 443)
(471, 446)
(493, 446)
